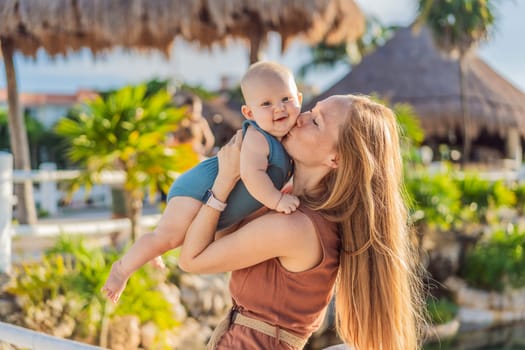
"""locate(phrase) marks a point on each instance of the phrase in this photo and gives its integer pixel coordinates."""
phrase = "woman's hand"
(229, 164)
(229, 159)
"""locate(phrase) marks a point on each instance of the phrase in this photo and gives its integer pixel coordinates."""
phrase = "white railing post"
(48, 190)
(6, 210)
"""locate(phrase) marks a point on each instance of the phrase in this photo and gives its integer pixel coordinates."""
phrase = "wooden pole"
(25, 205)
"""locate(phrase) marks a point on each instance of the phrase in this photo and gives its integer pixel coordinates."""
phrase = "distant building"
(47, 108)
(409, 68)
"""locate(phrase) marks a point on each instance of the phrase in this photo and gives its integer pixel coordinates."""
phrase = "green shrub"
(74, 273)
(484, 193)
(443, 201)
(519, 192)
(497, 263)
(435, 199)
(479, 196)
(474, 190)
(441, 310)
(502, 195)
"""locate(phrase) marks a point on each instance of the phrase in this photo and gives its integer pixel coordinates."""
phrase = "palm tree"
(351, 53)
(458, 26)
(125, 131)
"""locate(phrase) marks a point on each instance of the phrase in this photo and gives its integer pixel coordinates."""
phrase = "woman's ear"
(247, 112)
(333, 161)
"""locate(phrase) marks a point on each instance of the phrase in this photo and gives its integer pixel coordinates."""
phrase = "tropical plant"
(441, 310)
(197, 90)
(126, 131)
(498, 262)
(519, 191)
(457, 26)
(411, 132)
(60, 294)
(480, 196)
(36, 132)
(327, 56)
(4, 131)
(436, 200)
(39, 138)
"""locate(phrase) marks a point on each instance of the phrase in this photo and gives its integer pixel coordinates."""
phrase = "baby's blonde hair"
(266, 69)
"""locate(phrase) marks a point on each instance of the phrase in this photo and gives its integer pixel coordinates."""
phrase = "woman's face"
(314, 138)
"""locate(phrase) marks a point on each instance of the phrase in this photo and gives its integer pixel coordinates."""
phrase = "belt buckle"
(233, 314)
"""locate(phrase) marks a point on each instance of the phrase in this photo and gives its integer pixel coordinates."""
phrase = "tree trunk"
(26, 211)
(134, 214)
(467, 142)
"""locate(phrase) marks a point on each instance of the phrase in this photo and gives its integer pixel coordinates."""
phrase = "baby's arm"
(254, 162)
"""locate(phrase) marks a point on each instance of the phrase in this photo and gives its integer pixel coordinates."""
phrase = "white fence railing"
(6, 207)
(48, 194)
(27, 339)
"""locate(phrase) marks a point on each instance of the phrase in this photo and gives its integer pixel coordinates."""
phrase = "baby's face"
(273, 103)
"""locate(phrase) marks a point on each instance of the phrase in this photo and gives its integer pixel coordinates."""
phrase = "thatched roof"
(409, 68)
(62, 26)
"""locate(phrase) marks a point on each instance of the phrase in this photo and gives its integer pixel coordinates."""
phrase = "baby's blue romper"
(199, 179)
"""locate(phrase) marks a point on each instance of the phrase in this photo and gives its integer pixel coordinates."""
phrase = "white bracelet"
(213, 202)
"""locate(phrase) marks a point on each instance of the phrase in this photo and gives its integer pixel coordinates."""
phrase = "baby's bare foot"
(115, 283)
(158, 263)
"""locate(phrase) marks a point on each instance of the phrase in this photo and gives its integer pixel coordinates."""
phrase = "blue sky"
(505, 52)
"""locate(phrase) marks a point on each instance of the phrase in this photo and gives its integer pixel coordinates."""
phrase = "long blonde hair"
(378, 299)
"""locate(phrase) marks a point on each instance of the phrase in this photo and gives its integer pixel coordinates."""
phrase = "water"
(510, 337)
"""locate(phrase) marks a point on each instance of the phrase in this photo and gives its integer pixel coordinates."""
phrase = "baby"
(272, 106)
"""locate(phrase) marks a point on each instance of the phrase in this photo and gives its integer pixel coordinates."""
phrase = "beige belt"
(272, 331)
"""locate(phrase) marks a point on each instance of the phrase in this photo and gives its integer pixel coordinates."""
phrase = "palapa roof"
(62, 26)
(409, 68)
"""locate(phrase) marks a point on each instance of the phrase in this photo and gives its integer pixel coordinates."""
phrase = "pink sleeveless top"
(293, 301)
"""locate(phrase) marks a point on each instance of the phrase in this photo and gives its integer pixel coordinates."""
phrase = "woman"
(351, 225)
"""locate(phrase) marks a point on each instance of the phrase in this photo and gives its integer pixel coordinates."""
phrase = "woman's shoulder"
(300, 219)
(294, 226)
(326, 229)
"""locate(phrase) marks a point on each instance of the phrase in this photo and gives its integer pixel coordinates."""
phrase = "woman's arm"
(292, 238)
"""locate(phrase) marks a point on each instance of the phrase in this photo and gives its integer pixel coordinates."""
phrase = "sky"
(505, 53)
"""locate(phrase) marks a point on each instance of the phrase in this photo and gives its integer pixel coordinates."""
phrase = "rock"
(206, 297)
(442, 331)
(173, 296)
(124, 333)
(7, 307)
(511, 300)
(475, 316)
(65, 328)
(148, 332)
(5, 346)
(191, 335)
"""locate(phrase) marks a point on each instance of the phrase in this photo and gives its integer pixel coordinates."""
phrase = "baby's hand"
(287, 204)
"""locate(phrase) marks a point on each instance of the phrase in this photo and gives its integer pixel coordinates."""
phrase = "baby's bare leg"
(169, 234)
